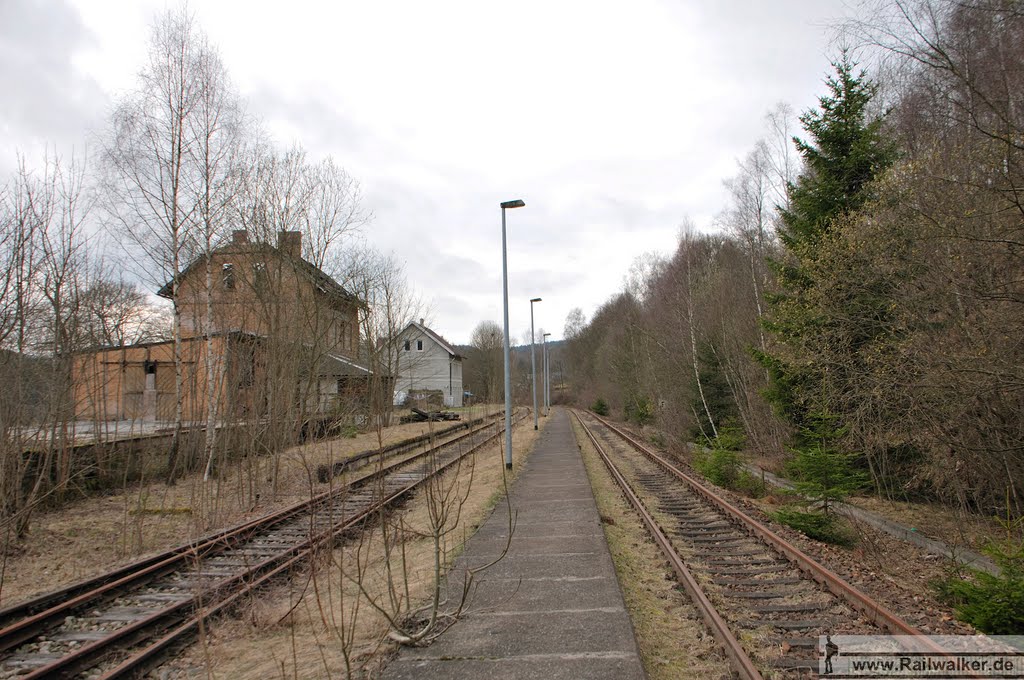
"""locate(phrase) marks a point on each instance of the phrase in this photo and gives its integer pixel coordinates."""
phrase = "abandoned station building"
(267, 325)
(428, 365)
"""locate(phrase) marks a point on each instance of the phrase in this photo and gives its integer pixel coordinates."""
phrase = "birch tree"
(171, 158)
(149, 157)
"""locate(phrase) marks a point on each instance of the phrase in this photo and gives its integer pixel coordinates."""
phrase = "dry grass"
(302, 629)
(673, 641)
(90, 536)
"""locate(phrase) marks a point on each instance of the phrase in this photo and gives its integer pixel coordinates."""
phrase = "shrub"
(824, 473)
(821, 527)
(992, 604)
(719, 466)
(639, 410)
(721, 463)
(750, 485)
(600, 407)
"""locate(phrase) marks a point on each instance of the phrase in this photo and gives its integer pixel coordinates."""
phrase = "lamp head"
(518, 203)
(534, 299)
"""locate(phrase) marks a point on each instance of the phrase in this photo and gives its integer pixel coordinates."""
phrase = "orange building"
(251, 314)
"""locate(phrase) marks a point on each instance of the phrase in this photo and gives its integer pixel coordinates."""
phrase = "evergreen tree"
(823, 472)
(845, 151)
(848, 150)
(717, 396)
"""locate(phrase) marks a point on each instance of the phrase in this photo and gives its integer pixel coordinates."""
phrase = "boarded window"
(259, 274)
(134, 379)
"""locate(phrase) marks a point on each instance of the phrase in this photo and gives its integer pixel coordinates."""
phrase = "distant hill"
(553, 345)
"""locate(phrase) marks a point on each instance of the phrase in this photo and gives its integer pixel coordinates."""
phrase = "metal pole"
(547, 380)
(508, 362)
(533, 365)
(547, 377)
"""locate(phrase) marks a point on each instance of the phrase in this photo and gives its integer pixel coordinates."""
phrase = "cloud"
(613, 121)
(47, 101)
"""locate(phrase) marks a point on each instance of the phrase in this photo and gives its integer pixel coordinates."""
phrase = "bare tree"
(151, 177)
(116, 313)
(42, 243)
(220, 129)
(487, 341)
(390, 304)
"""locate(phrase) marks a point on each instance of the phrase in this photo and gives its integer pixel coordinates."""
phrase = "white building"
(427, 363)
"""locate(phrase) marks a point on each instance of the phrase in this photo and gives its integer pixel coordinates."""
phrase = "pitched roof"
(318, 277)
(336, 364)
(445, 345)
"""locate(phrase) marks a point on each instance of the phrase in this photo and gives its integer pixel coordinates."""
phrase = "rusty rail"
(860, 601)
(739, 659)
(181, 618)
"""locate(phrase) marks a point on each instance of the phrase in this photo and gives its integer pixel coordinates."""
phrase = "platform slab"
(552, 608)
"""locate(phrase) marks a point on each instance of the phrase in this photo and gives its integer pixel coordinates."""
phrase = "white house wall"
(428, 369)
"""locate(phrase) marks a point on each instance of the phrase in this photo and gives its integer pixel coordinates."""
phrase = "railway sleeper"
(719, 539)
(747, 571)
(758, 594)
(757, 582)
(162, 597)
(780, 608)
(701, 529)
(120, 615)
(27, 662)
(79, 636)
(806, 624)
(741, 559)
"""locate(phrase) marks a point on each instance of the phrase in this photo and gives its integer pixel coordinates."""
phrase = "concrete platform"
(552, 608)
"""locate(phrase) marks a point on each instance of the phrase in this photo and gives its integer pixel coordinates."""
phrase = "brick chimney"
(290, 243)
(239, 237)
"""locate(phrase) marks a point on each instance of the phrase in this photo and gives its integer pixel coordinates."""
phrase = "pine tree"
(846, 150)
(824, 473)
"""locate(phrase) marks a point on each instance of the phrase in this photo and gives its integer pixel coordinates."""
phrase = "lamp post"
(547, 377)
(508, 362)
(533, 362)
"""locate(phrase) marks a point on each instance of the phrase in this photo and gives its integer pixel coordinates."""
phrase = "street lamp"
(547, 377)
(533, 362)
(508, 362)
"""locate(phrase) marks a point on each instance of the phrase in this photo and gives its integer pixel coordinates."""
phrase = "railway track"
(765, 600)
(120, 624)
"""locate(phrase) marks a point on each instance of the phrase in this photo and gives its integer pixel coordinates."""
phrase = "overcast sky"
(614, 121)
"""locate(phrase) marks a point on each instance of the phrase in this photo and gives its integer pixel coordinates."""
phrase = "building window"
(419, 345)
(259, 274)
(227, 275)
(406, 345)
